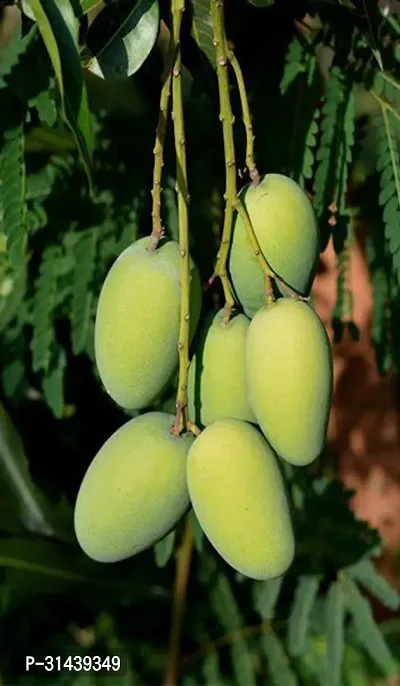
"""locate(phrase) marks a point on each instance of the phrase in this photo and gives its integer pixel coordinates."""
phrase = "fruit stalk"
(158, 151)
(232, 201)
(250, 161)
(182, 419)
(183, 560)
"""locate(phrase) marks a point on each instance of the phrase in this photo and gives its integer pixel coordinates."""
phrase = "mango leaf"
(58, 27)
(29, 502)
(202, 30)
(121, 38)
(87, 5)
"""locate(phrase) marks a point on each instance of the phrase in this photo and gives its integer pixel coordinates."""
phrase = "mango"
(134, 491)
(289, 374)
(284, 223)
(137, 323)
(216, 383)
(238, 495)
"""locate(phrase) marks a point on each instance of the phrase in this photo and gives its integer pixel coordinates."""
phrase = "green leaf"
(279, 668)
(30, 504)
(44, 303)
(82, 297)
(366, 628)
(12, 50)
(295, 64)
(334, 620)
(366, 574)
(59, 37)
(121, 38)
(53, 384)
(163, 549)
(202, 29)
(87, 5)
(265, 597)
(198, 532)
(300, 615)
(12, 194)
(227, 611)
(261, 3)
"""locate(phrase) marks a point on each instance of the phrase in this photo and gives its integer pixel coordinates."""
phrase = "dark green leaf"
(279, 668)
(53, 384)
(82, 297)
(60, 40)
(366, 574)
(121, 38)
(12, 194)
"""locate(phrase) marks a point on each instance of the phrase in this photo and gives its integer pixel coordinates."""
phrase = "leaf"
(163, 549)
(53, 384)
(87, 5)
(366, 628)
(202, 29)
(366, 574)
(60, 41)
(300, 615)
(30, 503)
(121, 38)
(265, 597)
(82, 297)
(294, 64)
(279, 668)
(227, 611)
(12, 194)
(198, 532)
(44, 302)
(261, 3)
(12, 50)
(334, 620)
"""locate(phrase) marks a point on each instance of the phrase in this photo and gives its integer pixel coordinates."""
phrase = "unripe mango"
(238, 495)
(137, 322)
(134, 492)
(216, 383)
(284, 223)
(289, 375)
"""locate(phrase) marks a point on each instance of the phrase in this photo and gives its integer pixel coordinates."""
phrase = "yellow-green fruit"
(134, 491)
(238, 496)
(284, 223)
(137, 322)
(289, 374)
(217, 384)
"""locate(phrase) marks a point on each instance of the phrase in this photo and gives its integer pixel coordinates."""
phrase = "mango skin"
(137, 323)
(238, 495)
(134, 491)
(289, 373)
(216, 381)
(284, 222)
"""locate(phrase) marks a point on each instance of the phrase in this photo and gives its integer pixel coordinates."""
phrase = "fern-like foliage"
(387, 92)
(43, 308)
(12, 51)
(82, 296)
(12, 194)
(334, 627)
(303, 603)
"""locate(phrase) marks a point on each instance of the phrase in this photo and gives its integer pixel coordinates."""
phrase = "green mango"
(285, 226)
(137, 322)
(216, 381)
(135, 491)
(238, 495)
(289, 372)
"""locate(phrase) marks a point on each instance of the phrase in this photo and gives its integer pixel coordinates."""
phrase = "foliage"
(76, 172)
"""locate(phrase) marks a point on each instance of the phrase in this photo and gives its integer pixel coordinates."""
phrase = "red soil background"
(364, 424)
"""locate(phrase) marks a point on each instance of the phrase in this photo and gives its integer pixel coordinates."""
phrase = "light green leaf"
(87, 5)
(121, 38)
(30, 503)
(368, 632)
(368, 576)
(202, 30)
(279, 668)
(163, 549)
(266, 594)
(334, 620)
(59, 37)
(300, 615)
(261, 3)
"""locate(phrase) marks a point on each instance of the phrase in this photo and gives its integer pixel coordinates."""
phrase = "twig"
(183, 561)
(157, 229)
(232, 201)
(250, 161)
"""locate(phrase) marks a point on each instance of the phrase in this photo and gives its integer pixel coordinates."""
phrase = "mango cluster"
(259, 388)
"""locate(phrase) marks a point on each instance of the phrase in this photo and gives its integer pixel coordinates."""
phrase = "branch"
(232, 201)
(158, 151)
